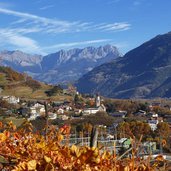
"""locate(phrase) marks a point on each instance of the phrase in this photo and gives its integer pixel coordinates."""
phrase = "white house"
(11, 99)
(33, 116)
(67, 108)
(37, 108)
(89, 111)
(153, 122)
(60, 111)
(64, 117)
(33, 110)
(52, 115)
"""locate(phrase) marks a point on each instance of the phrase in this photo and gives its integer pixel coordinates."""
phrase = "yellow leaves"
(14, 127)
(75, 150)
(20, 167)
(106, 155)
(95, 152)
(31, 165)
(47, 159)
(2, 137)
(96, 159)
(159, 158)
(41, 145)
(60, 137)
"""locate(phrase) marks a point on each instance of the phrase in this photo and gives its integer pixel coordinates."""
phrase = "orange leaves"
(1, 125)
(65, 130)
(33, 152)
(164, 142)
(16, 136)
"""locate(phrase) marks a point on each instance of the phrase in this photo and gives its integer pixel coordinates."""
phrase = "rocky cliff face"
(62, 66)
(70, 65)
(20, 61)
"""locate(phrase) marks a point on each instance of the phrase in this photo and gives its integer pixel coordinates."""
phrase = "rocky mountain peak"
(62, 66)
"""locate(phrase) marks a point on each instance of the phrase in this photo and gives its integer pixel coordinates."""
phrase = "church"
(99, 107)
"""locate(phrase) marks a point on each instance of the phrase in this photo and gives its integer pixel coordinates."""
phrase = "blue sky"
(45, 26)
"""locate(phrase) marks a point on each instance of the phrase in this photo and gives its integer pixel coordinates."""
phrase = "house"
(24, 111)
(154, 105)
(57, 104)
(150, 146)
(63, 117)
(89, 111)
(60, 111)
(77, 111)
(33, 110)
(67, 108)
(52, 115)
(119, 114)
(37, 108)
(154, 120)
(140, 113)
(125, 142)
(153, 124)
(33, 116)
(11, 99)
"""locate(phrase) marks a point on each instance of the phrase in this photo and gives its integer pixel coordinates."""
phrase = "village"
(83, 113)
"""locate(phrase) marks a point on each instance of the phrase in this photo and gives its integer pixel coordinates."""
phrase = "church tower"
(97, 100)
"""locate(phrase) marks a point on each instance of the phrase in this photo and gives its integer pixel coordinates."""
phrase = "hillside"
(21, 85)
(143, 72)
(62, 66)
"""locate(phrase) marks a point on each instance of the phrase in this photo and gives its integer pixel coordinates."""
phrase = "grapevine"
(25, 150)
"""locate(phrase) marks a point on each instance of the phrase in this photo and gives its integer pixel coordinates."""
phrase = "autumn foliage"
(23, 150)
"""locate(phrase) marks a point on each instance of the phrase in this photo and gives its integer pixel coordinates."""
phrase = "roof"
(118, 114)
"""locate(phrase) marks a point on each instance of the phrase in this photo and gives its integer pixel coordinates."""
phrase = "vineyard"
(25, 150)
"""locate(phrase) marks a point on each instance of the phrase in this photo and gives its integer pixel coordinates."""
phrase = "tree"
(134, 129)
(54, 90)
(163, 130)
(124, 130)
(140, 129)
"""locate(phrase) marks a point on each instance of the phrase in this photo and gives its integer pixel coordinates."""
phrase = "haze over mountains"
(62, 66)
(143, 72)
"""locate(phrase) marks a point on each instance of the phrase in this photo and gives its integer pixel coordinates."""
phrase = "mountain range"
(143, 72)
(60, 67)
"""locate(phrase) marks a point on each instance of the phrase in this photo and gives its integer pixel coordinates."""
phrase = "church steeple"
(97, 100)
